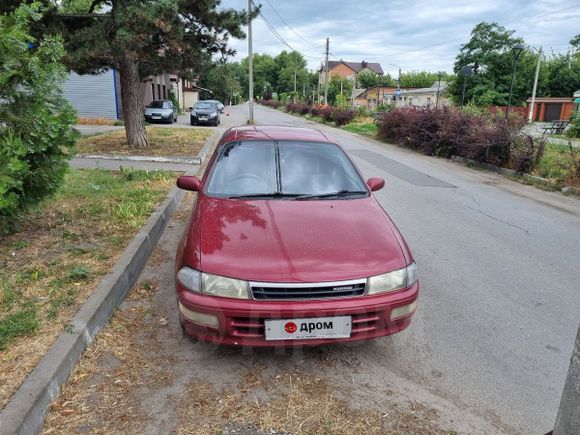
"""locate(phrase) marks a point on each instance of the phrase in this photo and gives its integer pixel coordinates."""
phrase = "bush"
(574, 129)
(343, 116)
(445, 132)
(272, 103)
(36, 137)
(325, 112)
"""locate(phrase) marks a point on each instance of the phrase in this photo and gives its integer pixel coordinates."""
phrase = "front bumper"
(160, 118)
(203, 121)
(241, 322)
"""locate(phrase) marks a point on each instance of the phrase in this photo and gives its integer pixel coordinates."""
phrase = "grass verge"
(557, 164)
(163, 141)
(365, 129)
(58, 254)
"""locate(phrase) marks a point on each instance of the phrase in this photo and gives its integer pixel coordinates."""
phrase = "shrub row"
(327, 113)
(447, 131)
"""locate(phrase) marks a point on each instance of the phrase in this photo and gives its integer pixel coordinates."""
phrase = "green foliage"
(368, 79)
(490, 53)
(173, 98)
(334, 87)
(421, 79)
(20, 323)
(574, 128)
(36, 137)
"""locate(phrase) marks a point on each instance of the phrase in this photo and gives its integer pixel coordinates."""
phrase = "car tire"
(192, 122)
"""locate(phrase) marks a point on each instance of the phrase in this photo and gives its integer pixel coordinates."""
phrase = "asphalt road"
(499, 266)
(488, 348)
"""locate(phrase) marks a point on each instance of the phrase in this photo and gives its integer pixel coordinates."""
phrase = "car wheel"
(192, 122)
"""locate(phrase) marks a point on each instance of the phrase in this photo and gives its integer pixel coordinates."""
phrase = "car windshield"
(160, 105)
(204, 105)
(284, 170)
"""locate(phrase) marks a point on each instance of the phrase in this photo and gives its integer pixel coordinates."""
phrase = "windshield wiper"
(273, 195)
(340, 193)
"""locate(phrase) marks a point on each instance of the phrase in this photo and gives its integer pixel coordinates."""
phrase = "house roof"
(433, 88)
(357, 66)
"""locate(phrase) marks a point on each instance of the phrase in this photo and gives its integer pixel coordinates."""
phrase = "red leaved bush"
(447, 131)
(343, 116)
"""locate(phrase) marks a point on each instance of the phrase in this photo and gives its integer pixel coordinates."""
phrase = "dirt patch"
(296, 403)
(163, 141)
(102, 395)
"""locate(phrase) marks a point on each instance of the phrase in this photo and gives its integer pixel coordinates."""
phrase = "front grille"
(262, 291)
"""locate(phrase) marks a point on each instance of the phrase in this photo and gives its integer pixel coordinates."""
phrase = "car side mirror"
(190, 109)
(375, 183)
(188, 182)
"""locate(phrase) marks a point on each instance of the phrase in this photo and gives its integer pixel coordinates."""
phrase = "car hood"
(152, 111)
(204, 111)
(296, 241)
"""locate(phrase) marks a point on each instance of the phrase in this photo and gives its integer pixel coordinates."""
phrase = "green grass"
(365, 129)
(556, 163)
(66, 244)
(17, 324)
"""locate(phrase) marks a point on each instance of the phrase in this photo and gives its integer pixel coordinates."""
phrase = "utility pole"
(250, 67)
(353, 89)
(568, 420)
(531, 114)
(294, 96)
(439, 76)
(326, 74)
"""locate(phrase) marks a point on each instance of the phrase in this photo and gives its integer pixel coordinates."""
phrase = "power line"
(290, 27)
(279, 37)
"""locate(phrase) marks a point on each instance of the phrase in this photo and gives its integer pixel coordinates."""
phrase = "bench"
(556, 127)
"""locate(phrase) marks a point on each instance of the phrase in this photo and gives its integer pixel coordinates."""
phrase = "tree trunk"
(132, 103)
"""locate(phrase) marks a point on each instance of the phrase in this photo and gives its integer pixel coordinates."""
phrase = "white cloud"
(418, 35)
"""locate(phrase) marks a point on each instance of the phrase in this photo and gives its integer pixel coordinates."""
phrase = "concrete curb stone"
(25, 412)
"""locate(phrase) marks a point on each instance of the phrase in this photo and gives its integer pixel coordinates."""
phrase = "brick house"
(348, 70)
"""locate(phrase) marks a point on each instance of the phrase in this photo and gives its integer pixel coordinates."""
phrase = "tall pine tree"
(139, 38)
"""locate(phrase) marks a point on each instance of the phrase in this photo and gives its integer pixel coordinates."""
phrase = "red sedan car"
(286, 245)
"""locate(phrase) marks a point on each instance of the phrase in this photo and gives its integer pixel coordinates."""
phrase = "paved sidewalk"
(86, 163)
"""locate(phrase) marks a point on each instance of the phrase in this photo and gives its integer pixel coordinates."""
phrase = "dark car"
(161, 111)
(287, 245)
(219, 104)
(205, 112)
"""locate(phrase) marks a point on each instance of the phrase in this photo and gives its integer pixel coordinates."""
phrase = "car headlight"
(213, 115)
(392, 281)
(214, 285)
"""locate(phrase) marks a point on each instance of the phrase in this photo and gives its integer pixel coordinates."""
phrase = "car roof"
(270, 132)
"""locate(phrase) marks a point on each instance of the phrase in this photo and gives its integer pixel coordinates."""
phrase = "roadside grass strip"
(163, 141)
(58, 254)
(364, 129)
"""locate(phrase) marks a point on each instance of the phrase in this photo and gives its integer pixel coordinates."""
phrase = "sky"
(411, 34)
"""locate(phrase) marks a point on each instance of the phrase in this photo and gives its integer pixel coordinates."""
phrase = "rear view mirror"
(190, 109)
(188, 182)
(375, 183)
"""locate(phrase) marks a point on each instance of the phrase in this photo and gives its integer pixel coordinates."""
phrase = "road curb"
(209, 143)
(156, 159)
(25, 412)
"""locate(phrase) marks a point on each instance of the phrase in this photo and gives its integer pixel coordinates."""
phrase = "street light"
(439, 77)
(466, 71)
(518, 49)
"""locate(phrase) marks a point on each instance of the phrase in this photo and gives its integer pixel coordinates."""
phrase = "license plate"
(312, 328)
(156, 117)
(203, 118)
